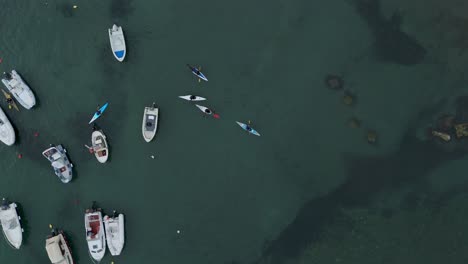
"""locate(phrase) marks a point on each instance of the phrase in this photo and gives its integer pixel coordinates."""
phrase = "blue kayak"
(248, 129)
(99, 113)
(197, 73)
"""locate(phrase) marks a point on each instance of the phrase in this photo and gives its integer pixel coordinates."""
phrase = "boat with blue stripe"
(117, 41)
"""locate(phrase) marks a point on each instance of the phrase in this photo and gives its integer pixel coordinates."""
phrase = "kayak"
(248, 129)
(197, 73)
(207, 111)
(12, 102)
(192, 98)
(99, 113)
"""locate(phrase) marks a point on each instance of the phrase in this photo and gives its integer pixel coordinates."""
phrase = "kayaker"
(9, 100)
(208, 111)
(192, 97)
(248, 128)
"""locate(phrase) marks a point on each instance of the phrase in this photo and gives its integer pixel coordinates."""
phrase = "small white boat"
(192, 98)
(58, 249)
(10, 224)
(57, 156)
(207, 111)
(117, 42)
(7, 133)
(115, 233)
(19, 89)
(100, 147)
(95, 235)
(150, 122)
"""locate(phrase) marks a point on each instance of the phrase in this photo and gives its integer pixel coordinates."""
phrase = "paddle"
(199, 69)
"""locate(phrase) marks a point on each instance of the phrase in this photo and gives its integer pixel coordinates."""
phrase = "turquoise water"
(234, 197)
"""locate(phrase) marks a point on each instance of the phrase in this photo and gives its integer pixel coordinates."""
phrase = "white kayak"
(10, 224)
(7, 133)
(150, 122)
(207, 111)
(100, 147)
(117, 42)
(19, 89)
(192, 98)
(248, 128)
(115, 233)
(95, 235)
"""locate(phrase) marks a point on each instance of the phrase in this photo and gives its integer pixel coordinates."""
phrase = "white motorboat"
(193, 98)
(100, 147)
(10, 224)
(115, 233)
(7, 133)
(58, 249)
(150, 122)
(57, 155)
(117, 42)
(19, 89)
(95, 235)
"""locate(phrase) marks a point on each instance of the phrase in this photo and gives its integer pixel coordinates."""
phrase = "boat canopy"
(56, 156)
(53, 249)
(57, 164)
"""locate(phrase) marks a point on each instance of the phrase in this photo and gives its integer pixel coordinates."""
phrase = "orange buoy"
(1, 60)
(20, 156)
(36, 134)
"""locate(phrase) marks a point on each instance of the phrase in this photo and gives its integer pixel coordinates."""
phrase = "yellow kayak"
(12, 102)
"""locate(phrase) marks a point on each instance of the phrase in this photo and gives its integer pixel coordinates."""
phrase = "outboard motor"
(5, 204)
(7, 75)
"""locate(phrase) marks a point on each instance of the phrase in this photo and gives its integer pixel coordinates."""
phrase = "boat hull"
(20, 90)
(149, 126)
(100, 147)
(58, 250)
(115, 233)
(7, 133)
(57, 156)
(95, 235)
(11, 226)
(117, 42)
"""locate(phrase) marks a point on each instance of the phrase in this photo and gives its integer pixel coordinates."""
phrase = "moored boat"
(99, 146)
(58, 248)
(117, 42)
(57, 155)
(115, 233)
(19, 89)
(7, 133)
(11, 224)
(95, 236)
(149, 126)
